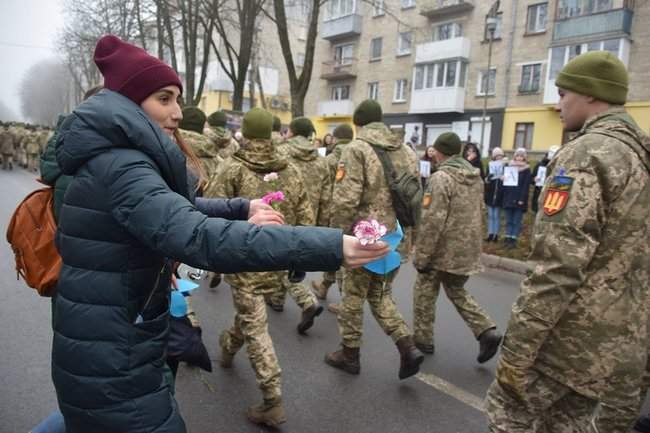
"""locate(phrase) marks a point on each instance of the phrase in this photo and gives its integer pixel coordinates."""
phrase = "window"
(524, 135)
(530, 78)
(442, 74)
(447, 31)
(373, 90)
(575, 8)
(375, 48)
(561, 55)
(400, 91)
(537, 18)
(378, 8)
(407, 4)
(487, 83)
(339, 8)
(340, 93)
(404, 40)
(343, 54)
(497, 30)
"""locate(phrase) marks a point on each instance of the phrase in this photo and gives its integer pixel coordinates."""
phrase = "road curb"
(510, 265)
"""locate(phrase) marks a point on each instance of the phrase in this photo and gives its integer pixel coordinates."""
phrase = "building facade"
(427, 64)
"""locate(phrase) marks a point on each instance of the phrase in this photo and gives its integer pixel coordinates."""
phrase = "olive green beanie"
(257, 123)
(301, 126)
(448, 144)
(277, 124)
(217, 119)
(367, 112)
(599, 74)
(343, 132)
(193, 120)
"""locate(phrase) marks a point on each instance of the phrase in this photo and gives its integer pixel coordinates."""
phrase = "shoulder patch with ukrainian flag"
(426, 200)
(340, 172)
(557, 195)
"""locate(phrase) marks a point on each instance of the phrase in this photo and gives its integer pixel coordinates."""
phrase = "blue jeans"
(494, 220)
(514, 218)
(52, 424)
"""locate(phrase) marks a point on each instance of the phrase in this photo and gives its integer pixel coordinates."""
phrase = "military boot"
(334, 308)
(346, 359)
(320, 289)
(488, 344)
(226, 357)
(308, 317)
(269, 412)
(215, 279)
(429, 349)
(410, 357)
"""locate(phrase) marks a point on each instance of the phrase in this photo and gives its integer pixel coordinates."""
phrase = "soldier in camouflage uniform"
(449, 249)
(191, 129)
(217, 132)
(316, 179)
(342, 136)
(361, 192)
(243, 175)
(276, 135)
(33, 148)
(7, 148)
(571, 358)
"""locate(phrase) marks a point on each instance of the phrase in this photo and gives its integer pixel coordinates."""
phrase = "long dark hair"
(193, 162)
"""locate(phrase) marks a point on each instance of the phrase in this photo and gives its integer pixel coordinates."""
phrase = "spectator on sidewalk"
(515, 195)
(493, 195)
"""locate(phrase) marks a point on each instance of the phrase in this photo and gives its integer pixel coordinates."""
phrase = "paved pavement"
(445, 397)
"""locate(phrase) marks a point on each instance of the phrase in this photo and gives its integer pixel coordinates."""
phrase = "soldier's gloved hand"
(297, 276)
(356, 255)
(514, 375)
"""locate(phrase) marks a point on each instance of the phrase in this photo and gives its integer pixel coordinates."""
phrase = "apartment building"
(427, 64)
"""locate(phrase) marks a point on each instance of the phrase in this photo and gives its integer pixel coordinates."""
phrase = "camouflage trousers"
(251, 328)
(332, 277)
(360, 286)
(551, 407)
(32, 161)
(7, 161)
(297, 291)
(425, 295)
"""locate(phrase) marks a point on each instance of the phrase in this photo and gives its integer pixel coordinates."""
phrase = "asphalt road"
(444, 398)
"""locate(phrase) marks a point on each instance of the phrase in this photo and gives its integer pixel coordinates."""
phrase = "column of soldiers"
(22, 145)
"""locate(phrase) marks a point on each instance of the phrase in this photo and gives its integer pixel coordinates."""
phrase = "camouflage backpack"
(405, 190)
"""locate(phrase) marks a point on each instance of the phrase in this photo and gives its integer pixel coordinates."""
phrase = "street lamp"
(491, 26)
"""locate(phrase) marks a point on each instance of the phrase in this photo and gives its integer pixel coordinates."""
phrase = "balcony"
(339, 108)
(344, 69)
(441, 50)
(438, 100)
(343, 27)
(437, 9)
(615, 22)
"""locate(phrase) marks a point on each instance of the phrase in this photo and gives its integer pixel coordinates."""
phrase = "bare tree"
(235, 22)
(40, 100)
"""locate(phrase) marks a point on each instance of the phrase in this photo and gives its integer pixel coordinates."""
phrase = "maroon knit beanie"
(129, 70)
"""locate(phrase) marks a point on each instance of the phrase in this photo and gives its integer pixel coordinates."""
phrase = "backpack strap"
(386, 163)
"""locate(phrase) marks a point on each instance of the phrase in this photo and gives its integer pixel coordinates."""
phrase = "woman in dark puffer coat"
(127, 215)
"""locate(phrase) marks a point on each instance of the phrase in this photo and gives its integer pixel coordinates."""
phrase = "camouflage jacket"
(204, 150)
(32, 143)
(221, 138)
(7, 143)
(452, 220)
(360, 189)
(277, 139)
(242, 175)
(581, 316)
(316, 177)
(335, 156)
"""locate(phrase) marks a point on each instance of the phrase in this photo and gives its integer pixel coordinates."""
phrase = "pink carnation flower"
(369, 231)
(272, 197)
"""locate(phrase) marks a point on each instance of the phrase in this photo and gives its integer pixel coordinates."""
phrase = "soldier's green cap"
(257, 123)
(367, 112)
(193, 119)
(217, 119)
(277, 124)
(448, 144)
(343, 132)
(599, 74)
(301, 126)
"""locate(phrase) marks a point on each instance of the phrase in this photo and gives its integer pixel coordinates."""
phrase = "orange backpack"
(31, 234)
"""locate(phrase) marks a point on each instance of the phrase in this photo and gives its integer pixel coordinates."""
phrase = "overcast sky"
(28, 31)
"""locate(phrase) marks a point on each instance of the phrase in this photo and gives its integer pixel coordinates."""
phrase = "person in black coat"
(473, 156)
(129, 214)
(537, 177)
(428, 157)
(493, 195)
(515, 198)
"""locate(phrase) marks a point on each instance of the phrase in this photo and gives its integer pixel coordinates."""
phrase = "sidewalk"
(510, 265)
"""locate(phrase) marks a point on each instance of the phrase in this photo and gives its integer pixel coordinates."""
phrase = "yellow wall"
(640, 111)
(220, 100)
(547, 132)
(323, 124)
